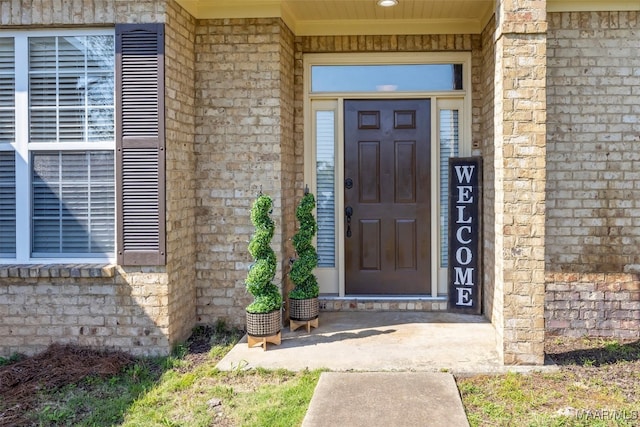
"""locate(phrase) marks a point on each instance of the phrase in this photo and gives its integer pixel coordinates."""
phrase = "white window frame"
(23, 148)
(332, 280)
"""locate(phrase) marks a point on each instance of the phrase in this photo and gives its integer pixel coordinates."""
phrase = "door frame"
(332, 280)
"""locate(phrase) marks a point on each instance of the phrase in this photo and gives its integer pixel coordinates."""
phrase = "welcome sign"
(465, 199)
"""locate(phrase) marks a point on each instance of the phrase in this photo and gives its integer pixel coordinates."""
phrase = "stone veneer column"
(520, 137)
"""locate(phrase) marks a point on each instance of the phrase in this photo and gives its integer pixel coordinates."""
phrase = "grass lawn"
(182, 390)
(597, 384)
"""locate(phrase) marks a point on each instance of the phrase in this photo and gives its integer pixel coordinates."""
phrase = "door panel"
(405, 171)
(369, 171)
(370, 244)
(387, 156)
(406, 244)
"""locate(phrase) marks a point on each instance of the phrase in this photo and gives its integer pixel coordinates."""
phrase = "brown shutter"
(140, 164)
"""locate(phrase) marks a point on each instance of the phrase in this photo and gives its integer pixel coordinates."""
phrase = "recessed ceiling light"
(387, 3)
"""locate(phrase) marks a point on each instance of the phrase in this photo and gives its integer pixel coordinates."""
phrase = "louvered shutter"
(140, 164)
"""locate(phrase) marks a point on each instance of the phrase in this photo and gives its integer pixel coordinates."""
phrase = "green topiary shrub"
(267, 296)
(306, 284)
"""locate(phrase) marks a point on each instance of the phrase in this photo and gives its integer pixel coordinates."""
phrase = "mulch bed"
(58, 366)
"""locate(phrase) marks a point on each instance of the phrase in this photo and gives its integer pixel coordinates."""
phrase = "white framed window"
(323, 181)
(57, 142)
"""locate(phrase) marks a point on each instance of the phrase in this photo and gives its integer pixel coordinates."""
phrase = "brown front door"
(387, 196)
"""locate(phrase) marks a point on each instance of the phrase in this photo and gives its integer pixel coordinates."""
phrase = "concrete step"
(377, 303)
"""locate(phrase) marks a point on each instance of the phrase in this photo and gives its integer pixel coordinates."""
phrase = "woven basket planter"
(264, 324)
(303, 309)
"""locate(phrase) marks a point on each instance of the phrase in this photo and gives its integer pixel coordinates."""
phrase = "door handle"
(348, 212)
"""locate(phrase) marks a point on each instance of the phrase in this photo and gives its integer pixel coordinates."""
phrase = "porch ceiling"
(355, 17)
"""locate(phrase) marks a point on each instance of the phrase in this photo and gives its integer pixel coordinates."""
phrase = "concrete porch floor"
(379, 341)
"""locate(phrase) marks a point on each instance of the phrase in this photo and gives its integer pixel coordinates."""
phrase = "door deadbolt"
(348, 183)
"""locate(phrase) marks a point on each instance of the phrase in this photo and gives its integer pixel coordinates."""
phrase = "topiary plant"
(267, 296)
(306, 284)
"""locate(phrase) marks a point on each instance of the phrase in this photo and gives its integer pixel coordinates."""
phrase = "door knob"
(348, 183)
(348, 211)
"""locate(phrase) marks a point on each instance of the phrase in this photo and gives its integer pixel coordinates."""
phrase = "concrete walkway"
(385, 399)
(388, 366)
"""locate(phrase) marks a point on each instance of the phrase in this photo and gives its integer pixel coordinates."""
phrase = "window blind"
(325, 176)
(7, 158)
(7, 90)
(449, 147)
(73, 203)
(7, 204)
(71, 81)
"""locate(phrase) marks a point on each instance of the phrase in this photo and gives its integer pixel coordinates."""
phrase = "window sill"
(26, 271)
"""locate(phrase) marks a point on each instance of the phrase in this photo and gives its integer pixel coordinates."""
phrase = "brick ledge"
(26, 271)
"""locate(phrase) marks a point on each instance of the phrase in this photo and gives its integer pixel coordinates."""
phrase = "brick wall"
(80, 12)
(86, 305)
(244, 145)
(593, 304)
(180, 170)
(492, 283)
(593, 207)
(292, 173)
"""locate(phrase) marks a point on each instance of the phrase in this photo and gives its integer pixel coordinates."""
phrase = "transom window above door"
(386, 78)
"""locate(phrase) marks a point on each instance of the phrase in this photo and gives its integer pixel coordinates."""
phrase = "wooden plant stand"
(273, 339)
(295, 324)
